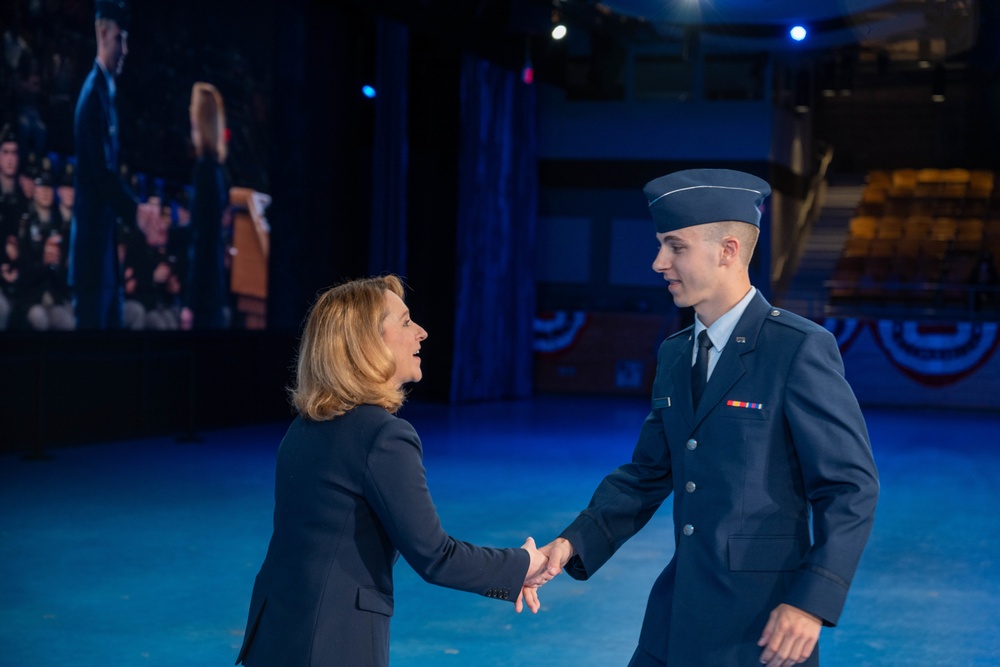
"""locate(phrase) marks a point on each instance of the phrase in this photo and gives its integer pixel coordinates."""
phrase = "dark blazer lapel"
(730, 368)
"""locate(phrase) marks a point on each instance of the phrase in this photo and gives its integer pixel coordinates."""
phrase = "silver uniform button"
(688, 529)
(775, 313)
(690, 487)
(692, 444)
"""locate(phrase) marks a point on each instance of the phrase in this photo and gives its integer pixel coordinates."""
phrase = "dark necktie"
(699, 372)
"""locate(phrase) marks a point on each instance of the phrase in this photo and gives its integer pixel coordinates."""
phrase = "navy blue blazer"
(349, 493)
(205, 289)
(775, 487)
(102, 196)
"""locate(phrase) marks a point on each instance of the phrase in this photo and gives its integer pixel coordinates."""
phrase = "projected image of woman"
(205, 303)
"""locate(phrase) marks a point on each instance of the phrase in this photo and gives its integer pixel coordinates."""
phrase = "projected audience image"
(133, 168)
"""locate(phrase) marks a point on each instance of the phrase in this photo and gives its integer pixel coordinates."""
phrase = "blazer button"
(688, 529)
(690, 487)
(692, 444)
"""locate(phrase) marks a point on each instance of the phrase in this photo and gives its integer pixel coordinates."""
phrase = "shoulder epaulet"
(790, 319)
(686, 331)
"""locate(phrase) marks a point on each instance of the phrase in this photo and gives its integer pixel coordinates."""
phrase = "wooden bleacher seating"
(991, 229)
(904, 181)
(918, 226)
(889, 227)
(980, 183)
(918, 237)
(873, 199)
(969, 229)
(863, 227)
(944, 228)
(927, 183)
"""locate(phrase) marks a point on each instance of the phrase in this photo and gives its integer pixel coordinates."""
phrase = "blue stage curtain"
(391, 152)
(495, 239)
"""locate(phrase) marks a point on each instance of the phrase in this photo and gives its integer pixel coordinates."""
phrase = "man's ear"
(730, 250)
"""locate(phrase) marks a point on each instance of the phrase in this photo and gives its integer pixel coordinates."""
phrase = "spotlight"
(559, 31)
(368, 91)
(798, 33)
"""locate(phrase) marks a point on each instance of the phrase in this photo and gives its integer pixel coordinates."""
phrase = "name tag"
(660, 403)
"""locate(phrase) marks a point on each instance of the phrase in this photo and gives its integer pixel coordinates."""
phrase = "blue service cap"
(698, 196)
(116, 10)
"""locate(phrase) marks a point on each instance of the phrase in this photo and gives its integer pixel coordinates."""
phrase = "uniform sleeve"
(92, 152)
(623, 503)
(396, 487)
(830, 438)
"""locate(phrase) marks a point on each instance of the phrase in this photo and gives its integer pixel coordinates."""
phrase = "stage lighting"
(559, 31)
(368, 91)
(528, 71)
(798, 33)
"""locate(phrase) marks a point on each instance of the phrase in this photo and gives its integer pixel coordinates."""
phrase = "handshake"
(545, 564)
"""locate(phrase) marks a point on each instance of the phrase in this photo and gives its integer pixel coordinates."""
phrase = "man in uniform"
(102, 197)
(758, 433)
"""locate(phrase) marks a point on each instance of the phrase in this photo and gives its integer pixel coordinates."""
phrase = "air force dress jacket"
(778, 443)
(102, 197)
(349, 493)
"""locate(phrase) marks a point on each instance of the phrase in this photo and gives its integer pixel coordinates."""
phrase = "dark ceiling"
(876, 44)
(907, 29)
(901, 32)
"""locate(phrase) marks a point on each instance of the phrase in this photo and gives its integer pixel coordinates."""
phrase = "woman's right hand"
(536, 575)
(538, 567)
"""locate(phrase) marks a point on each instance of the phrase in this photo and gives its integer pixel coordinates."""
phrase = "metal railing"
(927, 300)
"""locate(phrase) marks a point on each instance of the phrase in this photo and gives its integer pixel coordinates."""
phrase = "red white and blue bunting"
(934, 354)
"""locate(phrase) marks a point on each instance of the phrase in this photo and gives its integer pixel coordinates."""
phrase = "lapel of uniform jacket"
(680, 376)
(109, 116)
(730, 368)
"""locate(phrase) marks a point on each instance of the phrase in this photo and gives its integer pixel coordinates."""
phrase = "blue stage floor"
(144, 552)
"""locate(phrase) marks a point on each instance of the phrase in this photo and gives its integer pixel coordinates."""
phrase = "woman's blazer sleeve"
(396, 487)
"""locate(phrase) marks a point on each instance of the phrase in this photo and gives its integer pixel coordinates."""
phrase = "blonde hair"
(209, 115)
(342, 361)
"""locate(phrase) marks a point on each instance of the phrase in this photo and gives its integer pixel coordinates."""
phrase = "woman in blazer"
(351, 496)
(206, 290)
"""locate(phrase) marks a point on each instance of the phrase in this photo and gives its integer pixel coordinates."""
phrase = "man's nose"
(660, 262)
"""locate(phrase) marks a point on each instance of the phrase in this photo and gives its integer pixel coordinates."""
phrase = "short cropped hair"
(746, 233)
(342, 361)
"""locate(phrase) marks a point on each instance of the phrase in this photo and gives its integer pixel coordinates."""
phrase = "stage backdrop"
(889, 363)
